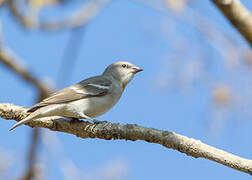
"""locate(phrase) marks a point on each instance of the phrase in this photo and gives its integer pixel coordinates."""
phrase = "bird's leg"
(99, 122)
(82, 115)
(96, 122)
(72, 119)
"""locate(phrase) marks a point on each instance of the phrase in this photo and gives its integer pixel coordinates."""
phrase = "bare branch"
(132, 132)
(32, 154)
(9, 59)
(18, 15)
(238, 15)
(79, 18)
(76, 19)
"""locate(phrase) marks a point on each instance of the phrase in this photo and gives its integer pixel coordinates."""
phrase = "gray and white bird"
(87, 99)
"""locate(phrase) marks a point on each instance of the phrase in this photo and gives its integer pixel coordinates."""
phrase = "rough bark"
(133, 132)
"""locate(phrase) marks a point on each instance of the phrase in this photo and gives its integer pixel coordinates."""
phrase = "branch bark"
(133, 132)
(238, 15)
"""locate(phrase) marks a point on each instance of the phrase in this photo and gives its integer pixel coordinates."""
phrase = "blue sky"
(132, 31)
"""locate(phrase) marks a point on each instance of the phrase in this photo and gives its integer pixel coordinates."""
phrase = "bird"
(87, 99)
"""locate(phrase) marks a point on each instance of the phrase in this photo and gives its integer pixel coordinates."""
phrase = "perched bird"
(87, 99)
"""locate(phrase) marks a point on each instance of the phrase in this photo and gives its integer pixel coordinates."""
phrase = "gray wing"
(92, 87)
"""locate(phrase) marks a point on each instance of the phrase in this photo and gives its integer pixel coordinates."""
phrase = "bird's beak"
(136, 69)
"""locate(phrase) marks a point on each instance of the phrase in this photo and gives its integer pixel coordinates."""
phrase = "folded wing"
(92, 87)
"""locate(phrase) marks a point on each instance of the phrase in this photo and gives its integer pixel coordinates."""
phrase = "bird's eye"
(124, 65)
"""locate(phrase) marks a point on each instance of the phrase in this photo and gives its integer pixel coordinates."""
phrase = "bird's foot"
(75, 120)
(98, 122)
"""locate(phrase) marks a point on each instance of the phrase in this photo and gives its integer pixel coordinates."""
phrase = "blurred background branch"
(15, 64)
(18, 66)
(70, 55)
(238, 15)
(31, 155)
(27, 14)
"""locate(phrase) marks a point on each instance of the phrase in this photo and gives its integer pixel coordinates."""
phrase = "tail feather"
(39, 113)
(28, 119)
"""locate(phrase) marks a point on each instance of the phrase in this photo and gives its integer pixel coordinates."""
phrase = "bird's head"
(122, 71)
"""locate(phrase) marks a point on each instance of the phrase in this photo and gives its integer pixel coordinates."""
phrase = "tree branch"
(76, 19)
(132, 132)
(9, 59)
(32, 154)
(238, 15)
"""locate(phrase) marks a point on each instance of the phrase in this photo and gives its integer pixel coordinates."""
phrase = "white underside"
(92, 107)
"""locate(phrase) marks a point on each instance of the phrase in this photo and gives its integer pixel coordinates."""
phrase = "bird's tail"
(25, 120)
